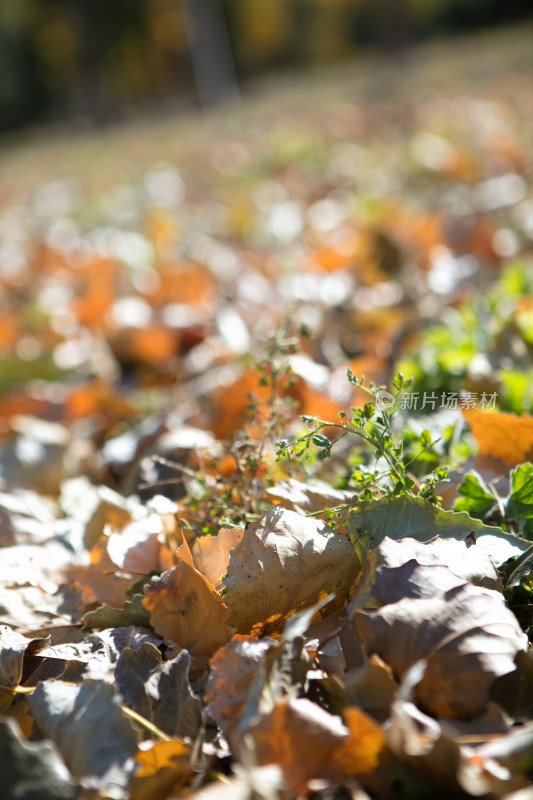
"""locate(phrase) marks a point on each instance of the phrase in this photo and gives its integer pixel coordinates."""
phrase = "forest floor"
(266, 441)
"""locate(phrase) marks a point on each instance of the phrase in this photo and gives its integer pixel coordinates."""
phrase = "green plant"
(387, 472)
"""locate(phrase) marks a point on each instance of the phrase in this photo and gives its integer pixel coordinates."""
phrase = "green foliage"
(413, 517)
(485, 345)
(387, 470)
(514, 512)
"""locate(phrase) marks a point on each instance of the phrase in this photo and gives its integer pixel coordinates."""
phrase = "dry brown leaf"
(301, 738)
(307, 742)
(185, 609)
(286, 562)
(211, 554)
(313, 495)
(372, 687)
(360, 752)
(233, 669)
(13, 648)
(502, 435)
(468, 637)
(162, 768)
(419, 740)
(100, 580)
(155, 345)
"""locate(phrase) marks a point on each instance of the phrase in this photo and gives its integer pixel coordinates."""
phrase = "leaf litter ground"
(182, 613)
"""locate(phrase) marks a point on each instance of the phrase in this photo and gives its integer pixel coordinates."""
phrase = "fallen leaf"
(91, 732)
(468, 637)
(32, 770)
(263, 783)
(412, 580)
(502, 435)
(13, 648)
(284, 563)
(162, 768)
(314, 495)
(307, 742)
(133, 613)
(185, 609)
(415, 518)
(372, 687)
(301, 738)
(465, 561)
(29, 608)
(233, 669)
(211, 554)
(361, 751)
(96, 656)
(160, 691)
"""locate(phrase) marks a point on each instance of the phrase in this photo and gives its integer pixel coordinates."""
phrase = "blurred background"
(99, 61)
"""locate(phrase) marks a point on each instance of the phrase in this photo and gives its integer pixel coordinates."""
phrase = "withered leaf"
(372, 687)
(468, 637)
(412, 580)
(307, 742)
(502, 435)
(313, 495)
(263, 783)
(468, 563)
(233, 669)
(162, 768)
(133, 613)
(286, 562)
(160, 691)
(301, 738)
(185, 609)
(211, 554)
(13, 647)
(32, 770)
(29, 608)
(90, 731)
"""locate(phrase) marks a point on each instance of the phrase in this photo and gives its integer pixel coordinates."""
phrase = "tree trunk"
(210, 50)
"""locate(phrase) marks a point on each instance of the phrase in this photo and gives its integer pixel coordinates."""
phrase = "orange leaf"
(307, 742)
(360, 752)
(186, 609)
(154, 345)
(301, 738)
(97, 397)
(187, 283)
(162, 769)
(100, 580)
(211, 553)
(502, 435)
(161, 755)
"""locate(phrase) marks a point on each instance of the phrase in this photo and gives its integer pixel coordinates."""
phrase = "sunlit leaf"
(159, 691)
(91, 732)
(185, 608)
(162, 768)
(284, 563)
(467, 636)
(415, 518)
(502, 435)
